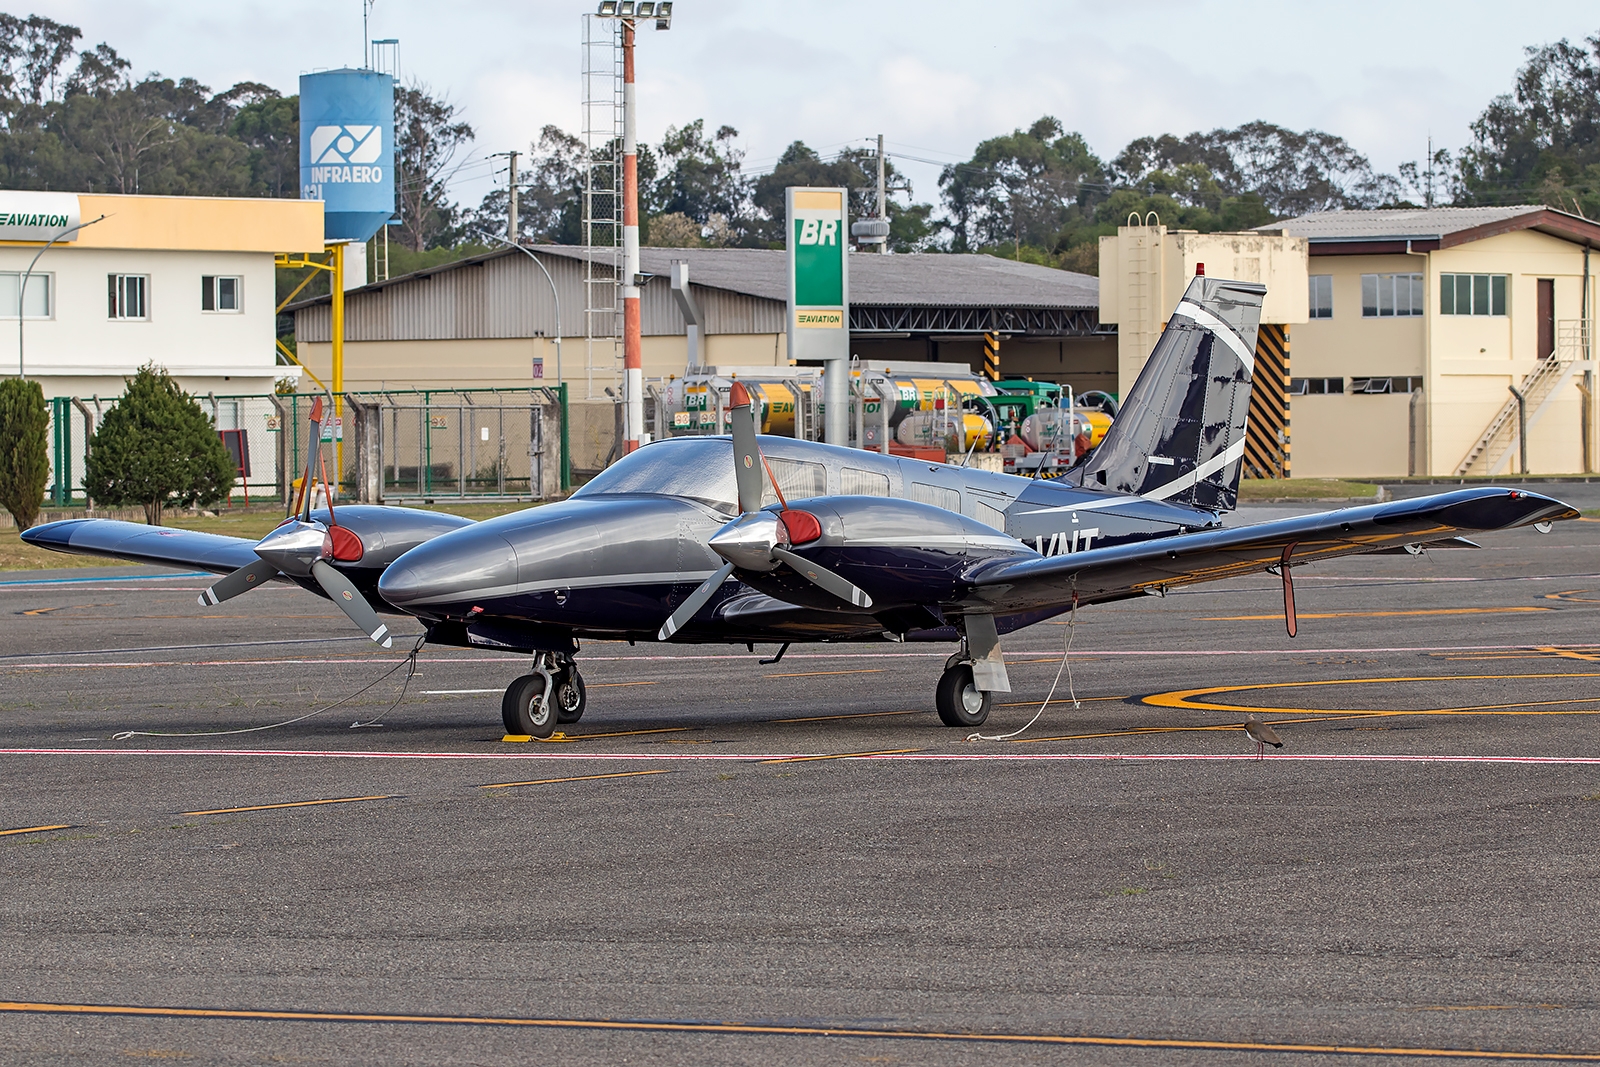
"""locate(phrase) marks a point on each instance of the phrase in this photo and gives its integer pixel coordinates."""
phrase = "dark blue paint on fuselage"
(618, 557)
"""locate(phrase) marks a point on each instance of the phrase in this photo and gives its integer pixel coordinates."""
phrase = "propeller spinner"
(759, 541)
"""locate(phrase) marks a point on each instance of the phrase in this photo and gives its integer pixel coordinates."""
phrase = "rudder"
(1180, 434)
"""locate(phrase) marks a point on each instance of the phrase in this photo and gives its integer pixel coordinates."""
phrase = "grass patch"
(1304, 489)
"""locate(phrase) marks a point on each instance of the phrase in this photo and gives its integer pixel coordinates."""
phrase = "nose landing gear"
(553, 694)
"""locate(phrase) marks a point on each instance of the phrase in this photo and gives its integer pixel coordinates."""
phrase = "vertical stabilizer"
(1180, 434)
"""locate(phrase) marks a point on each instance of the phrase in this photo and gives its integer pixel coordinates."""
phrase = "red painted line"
(936, 757)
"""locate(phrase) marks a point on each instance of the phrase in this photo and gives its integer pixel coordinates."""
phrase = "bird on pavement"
(1263, 735)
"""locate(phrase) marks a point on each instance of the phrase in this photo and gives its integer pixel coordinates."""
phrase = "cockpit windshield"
(700, 468)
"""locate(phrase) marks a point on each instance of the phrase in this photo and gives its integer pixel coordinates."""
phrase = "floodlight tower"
(628, 12)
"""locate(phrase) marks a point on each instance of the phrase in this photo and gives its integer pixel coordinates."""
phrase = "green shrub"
(24, 455)
(157, 447)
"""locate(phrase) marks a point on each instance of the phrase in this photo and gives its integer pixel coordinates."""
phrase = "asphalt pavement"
(726, 862)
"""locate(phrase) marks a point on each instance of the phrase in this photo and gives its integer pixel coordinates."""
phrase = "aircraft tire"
(960, 703)
(521, 709)
(571, 696)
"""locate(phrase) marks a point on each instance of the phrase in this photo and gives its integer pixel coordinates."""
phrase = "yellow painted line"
(1183, 698)
(1369, 614)
(649, 1026)
(819, 674)
(35, 829)
(851, 715)
(561, 738)
(579, 778)
(293, 804)
(1063, 700)
(1572, 594)
(841, 755)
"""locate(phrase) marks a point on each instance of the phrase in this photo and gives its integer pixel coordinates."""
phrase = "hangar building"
(490, 320)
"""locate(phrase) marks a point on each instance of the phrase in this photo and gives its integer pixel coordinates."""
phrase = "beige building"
(1420, 324)
(1394, 342)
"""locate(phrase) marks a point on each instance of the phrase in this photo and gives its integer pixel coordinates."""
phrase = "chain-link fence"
(481, 443)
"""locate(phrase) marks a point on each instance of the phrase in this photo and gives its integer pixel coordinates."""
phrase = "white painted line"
(456, 692)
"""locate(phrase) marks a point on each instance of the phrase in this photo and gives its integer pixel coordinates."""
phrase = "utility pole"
(632, 331)
(883, 198)
(1429, 195)
(511, 211)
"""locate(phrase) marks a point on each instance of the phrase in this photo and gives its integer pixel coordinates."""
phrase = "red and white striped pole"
(632, 333)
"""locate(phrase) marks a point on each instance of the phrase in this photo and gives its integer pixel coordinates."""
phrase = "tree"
(1541, 141)
(699, 176)
(157, 447)
(1023, 187)
(24, 461)
(269, 127)
(427, 138)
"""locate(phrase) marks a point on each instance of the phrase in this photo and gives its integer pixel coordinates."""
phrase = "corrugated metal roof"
(1398, 224)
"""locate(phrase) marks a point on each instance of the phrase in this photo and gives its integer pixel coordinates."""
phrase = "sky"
(934, 77)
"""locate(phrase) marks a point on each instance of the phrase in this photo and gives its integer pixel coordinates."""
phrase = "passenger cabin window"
(937, 495)
(128, 296)
(219, 292)
(853, 482)
(1391, 295)
(988, 510)
(1472, 294)
(797, 478)
(1321, 286)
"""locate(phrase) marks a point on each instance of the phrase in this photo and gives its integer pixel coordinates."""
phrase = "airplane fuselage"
(626, 549)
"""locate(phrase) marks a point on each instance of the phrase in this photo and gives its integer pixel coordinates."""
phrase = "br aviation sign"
(819, 277)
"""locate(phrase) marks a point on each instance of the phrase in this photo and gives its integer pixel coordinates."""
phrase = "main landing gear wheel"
(959, 701)
(525, 710)
(571, 696)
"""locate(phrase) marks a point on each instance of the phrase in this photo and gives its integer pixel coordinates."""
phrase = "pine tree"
(157, 447)
(24, 460)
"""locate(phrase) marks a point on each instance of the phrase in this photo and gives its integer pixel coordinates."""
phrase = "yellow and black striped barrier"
(991, 356)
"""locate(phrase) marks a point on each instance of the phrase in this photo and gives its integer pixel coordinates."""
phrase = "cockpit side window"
(797, 478)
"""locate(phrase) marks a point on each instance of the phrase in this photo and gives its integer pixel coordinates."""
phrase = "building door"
(1547, 317)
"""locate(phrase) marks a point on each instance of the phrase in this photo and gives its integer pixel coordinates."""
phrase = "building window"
(129, 295)
(1375, 386)
(1321, 296)
(220, 292)
(1472, 294)
(1315, 386)
(1389, 295)
(40, 289)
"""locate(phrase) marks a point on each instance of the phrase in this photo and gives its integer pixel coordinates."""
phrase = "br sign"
(819, 301)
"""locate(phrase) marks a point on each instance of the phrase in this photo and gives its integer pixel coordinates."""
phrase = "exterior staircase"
(1493, 450)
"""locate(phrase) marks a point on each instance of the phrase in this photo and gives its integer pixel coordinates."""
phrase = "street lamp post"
(554, 293)
(22, 288)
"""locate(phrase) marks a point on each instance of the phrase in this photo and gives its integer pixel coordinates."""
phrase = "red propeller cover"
(738, 396)
(347, 547)
(801, 526)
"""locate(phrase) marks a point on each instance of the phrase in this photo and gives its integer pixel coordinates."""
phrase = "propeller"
(301, 548)
(759, 540)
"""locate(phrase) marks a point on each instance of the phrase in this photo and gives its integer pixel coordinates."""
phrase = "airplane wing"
(139, 543)
(1100, 574)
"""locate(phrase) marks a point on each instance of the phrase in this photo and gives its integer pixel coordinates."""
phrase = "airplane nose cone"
(748, 541)
(439, 577)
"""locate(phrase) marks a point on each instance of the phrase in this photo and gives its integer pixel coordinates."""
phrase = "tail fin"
(1180, 434)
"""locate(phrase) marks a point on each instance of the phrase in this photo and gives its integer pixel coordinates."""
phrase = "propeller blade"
(313, 451)
(350, 601)
(823, 578)
(242, 580)
(747, 463)
(695, 602)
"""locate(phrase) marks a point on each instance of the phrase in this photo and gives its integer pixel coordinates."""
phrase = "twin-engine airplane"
(770, 539)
